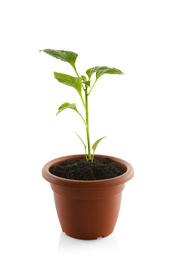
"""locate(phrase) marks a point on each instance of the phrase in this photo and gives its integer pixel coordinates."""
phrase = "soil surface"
(80, 169)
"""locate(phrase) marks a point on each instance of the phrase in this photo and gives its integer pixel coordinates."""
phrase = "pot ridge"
(87, 184)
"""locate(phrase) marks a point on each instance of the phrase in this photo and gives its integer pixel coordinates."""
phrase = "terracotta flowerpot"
(87, 209)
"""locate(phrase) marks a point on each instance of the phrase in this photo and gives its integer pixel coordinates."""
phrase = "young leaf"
(69, 81)
(85, 147)
(83, 78)
(100, 70)
(96, 143)
(65, 106)
(67, 56)
(87, 82)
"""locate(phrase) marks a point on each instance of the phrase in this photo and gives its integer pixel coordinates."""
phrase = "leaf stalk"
(92, 86)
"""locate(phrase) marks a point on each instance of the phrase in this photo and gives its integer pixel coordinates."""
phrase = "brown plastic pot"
(87, 209)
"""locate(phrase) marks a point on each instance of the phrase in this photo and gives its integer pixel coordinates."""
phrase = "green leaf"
(96, 144)
(65, 106)
(102, 70)
(85, 147)
(67, 56)
(90, 71)
(69, 81)
(107, 70)
(72, 106)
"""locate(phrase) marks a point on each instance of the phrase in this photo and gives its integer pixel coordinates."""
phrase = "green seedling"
(84, 88)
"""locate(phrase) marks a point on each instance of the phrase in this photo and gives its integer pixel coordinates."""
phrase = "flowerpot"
(87, 209)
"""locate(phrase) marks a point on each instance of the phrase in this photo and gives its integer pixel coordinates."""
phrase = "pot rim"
(87, 183)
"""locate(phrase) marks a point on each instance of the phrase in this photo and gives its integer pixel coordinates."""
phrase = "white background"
(134, 112)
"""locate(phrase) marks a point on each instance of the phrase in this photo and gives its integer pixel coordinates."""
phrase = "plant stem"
(74, 67)
(87, 123)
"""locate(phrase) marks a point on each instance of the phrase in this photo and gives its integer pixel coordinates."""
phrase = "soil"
(80, 169)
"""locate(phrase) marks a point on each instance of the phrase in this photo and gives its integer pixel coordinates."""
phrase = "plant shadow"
(105, 247)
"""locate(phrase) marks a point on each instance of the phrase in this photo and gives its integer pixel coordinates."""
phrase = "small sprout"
(96, 144)
(81, 84)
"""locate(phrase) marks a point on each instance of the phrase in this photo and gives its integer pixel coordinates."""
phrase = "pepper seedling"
(84, 88)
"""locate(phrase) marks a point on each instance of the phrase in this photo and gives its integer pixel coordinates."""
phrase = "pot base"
(89, 238)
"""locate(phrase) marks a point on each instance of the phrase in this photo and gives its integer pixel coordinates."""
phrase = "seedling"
(84, 88)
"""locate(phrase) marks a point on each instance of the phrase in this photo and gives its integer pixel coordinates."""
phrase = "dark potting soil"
(80, 169)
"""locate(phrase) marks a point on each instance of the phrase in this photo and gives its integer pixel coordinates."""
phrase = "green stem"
(87, 123)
